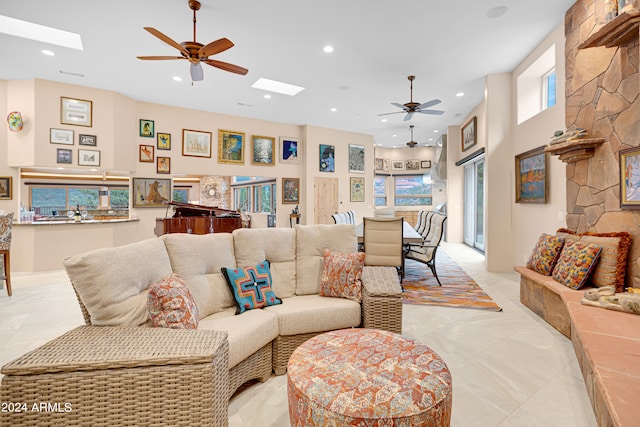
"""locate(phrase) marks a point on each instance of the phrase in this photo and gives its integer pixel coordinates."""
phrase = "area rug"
(457, 290)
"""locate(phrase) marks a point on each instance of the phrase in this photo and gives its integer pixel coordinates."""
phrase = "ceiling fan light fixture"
(197, 74)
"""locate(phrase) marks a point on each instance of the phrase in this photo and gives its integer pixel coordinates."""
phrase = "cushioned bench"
(606, 342)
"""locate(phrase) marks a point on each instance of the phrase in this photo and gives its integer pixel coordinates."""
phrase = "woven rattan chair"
(382, 243)
(6, 222)
(426, 251)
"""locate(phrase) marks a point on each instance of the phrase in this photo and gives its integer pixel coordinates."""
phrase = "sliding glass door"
(474, 204)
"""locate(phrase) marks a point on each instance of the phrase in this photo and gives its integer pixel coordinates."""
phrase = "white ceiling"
(448, 45)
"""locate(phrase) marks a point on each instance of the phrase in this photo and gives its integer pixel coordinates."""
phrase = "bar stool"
(6, 222)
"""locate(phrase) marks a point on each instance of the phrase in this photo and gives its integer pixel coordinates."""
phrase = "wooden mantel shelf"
(575, 150)
(616, 32)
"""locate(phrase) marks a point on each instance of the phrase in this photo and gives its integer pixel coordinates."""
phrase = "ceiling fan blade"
(156, 58)
(167, 40)
(215, 47)
(408, 116)
(226, 66)
(395, 112)
(432, 112)
(429, 103)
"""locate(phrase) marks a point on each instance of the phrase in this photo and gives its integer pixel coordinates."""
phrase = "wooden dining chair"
(382, 240)
(6, 222)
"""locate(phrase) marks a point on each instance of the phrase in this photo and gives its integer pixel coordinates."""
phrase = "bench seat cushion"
(312, 313)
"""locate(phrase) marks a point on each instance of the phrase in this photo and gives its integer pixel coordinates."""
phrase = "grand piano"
(198, 219)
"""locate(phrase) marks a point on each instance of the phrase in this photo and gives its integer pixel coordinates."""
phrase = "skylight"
(277, 87)
(41, 33)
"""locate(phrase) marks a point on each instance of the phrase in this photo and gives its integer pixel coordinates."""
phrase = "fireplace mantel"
(616, 32)
(575, 150)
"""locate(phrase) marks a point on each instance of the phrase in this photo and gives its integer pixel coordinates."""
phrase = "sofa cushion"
(198, 260)
(248, 332)
(312, 313)
(545, 254)
(278, 245)
(311, 240)
(113, 283)
(251, 286)
(342, 275)
(576, 261)
(171, 305)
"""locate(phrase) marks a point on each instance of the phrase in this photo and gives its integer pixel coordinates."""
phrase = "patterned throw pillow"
(342, 275)
(575, 263)
(171, 304)
(251, 287)
(545, 254)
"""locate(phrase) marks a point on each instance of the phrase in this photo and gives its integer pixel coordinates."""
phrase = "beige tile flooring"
(509, 368)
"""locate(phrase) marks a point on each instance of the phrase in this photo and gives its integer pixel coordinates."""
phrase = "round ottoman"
(367, 377)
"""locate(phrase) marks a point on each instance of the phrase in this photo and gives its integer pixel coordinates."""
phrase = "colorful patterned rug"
(457, 290)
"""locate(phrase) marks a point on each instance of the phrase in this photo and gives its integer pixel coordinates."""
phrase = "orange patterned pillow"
(342, 275)
(171, 304)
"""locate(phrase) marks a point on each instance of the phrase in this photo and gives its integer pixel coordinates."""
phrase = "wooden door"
(325, 199)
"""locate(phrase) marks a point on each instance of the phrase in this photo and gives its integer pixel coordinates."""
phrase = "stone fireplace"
(602, 86)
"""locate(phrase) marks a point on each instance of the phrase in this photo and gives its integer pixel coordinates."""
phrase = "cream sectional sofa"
(112, 286)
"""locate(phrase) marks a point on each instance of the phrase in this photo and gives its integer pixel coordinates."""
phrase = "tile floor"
(509, 368)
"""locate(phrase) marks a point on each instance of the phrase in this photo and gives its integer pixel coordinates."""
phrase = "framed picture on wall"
(357, 189)
(64, 155)
(163, 164)
(386, 164)
(91, 140)
(151, 192)
(379, 164)
(61, 136)
(469, 134)
(89, 157)
(425, 164)
(356, 158)
(147, 128)
(164, 141)
(146, 153)
(231, 147)
(412, 165)
(75, 111)
(531, 176)
(397, 165)
(6, 188)
(327, 159)
(630, 178)
(290, 190)
(290, 150)
(263, 148)
(196, 143)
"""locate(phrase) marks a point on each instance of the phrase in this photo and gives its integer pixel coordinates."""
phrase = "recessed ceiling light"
(496, 12)
(41, 33)
(395, 136)
(277, 87)
(383, 120)
(177, 78)
(48, 52)
(459, 94)
(267, 96)
(328, 49)
(430, 139)
(436, 131)
(334, 109)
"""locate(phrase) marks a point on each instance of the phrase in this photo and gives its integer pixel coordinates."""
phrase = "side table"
(115, 376)
(294, 218)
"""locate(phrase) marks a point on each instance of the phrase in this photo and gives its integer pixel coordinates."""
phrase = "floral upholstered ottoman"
(367, 377)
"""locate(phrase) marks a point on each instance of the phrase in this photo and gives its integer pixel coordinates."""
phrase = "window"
(412, 190)
(264, 198)
(380, 190)
(254, 194)
(45, 198)
(241, 198)
(549, 89)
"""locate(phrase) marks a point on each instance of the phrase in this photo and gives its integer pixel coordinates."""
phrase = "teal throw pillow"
(251, 287)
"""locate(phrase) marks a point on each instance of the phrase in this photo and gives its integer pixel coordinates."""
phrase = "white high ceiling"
(448, 45)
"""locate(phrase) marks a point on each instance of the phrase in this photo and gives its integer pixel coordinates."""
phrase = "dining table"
(409, 234)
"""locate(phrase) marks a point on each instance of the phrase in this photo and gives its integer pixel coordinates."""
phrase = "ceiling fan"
(411, 143)
(415, 107)
(195, 52)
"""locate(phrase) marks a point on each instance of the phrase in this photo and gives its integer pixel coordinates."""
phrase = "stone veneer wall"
(215, 191)
(602, 86)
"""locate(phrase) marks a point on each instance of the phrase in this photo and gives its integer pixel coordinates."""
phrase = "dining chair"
(425, 252)
(6, 222)
(382, 243)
